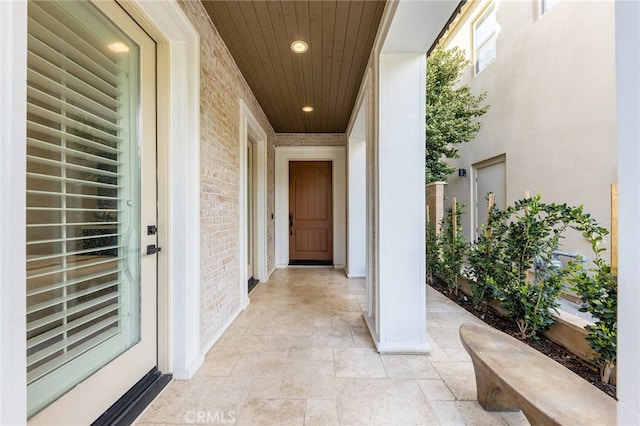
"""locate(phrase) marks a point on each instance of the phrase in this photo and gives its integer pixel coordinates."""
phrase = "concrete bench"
(511, 376)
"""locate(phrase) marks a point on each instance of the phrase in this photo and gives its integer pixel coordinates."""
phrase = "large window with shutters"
(83, 245)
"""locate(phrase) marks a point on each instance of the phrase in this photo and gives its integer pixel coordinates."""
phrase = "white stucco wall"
(552, 94)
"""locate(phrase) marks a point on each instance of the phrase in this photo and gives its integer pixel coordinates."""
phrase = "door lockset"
(290, 223)
(152, 249)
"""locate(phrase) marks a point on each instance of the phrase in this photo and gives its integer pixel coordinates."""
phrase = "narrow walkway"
(301, 355)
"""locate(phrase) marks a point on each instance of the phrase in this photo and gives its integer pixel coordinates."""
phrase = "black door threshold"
(128, 408)
(251, 284)
(297, 262)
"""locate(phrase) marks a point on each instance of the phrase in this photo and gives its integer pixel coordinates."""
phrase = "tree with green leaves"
(452, 111)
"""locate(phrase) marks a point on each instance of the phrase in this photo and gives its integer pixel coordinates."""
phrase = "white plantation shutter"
(79, 181)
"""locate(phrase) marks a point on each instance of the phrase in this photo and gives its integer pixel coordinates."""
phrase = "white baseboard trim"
(394, 348)
(270, 273)
(245, 304)
(403, 348)
(371, 327)
(355, 275)
(188, 373)
(212, 341)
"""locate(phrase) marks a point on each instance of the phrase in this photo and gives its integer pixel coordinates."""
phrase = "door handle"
(290, 223)
(152, 249)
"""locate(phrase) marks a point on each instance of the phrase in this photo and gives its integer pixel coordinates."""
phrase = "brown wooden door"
(310, 213)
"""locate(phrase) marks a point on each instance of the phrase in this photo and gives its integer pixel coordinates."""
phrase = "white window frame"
(490, 37)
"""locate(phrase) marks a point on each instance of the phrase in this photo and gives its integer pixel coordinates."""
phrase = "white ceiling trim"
(416, 25)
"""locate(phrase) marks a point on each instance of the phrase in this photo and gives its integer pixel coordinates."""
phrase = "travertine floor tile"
(358, 362)
(347, 319)
(514, 419)
(260, 365)
(459, 378)
(201, 394)
(277, 412)
(446, 337)
(305, 386)
(474, 414)
(321, 412)
(436, 353)
(458, 355)
(436, 390)
(382, 402)
(409, 367)
(322, 354)
(336, 337)
(301, 354)
(448, 413)
(266, 387)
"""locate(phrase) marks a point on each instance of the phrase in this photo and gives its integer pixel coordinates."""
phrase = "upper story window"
(485, 33)
(546, 5)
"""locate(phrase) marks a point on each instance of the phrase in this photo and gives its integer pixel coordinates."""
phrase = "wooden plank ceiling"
(340, 35)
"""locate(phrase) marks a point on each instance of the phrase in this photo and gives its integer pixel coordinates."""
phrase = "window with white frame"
(485, 33)
(546, 5)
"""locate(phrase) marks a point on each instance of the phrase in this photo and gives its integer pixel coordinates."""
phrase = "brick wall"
(221, 87)
(311, 139)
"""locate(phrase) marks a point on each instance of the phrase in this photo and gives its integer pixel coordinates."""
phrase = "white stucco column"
(395, 288)
(628, 111)
(400, 264)
(356, 196)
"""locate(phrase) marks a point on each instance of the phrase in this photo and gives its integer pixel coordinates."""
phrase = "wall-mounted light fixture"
(462, 172)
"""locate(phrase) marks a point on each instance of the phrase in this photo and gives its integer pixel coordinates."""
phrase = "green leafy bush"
(432, 250)
(525, 232)
(598, 290)
(484, 264)
(453, 248)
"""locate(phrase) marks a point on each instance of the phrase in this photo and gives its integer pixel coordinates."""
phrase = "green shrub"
(523, 233)
(484, 263)
(432, 251)
(598, 290)
(453, 248)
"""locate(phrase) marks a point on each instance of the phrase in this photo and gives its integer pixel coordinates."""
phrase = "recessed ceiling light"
(299, 46)
(119, 47)
(307, 108)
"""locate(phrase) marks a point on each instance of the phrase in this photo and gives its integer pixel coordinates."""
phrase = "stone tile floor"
(301, 354)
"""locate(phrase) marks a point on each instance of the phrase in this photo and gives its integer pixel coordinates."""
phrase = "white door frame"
(335, 154)
(251, 128)
(178, 81)
(13, 136)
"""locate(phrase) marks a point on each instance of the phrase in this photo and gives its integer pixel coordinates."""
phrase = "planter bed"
(564, 342)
